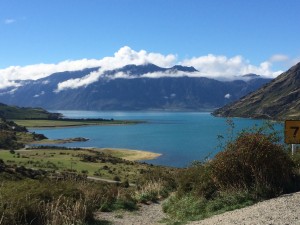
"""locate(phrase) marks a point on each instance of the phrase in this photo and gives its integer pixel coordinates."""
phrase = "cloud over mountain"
(209, 66)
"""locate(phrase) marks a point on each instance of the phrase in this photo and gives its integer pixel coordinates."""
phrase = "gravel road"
(146, 215)
(284, 210)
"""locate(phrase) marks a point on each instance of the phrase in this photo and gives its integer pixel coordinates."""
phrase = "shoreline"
(123, 153)
(130, 154)
(44, 124)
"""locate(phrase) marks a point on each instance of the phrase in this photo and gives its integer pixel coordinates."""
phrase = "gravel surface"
(146, 215)
(284, 210)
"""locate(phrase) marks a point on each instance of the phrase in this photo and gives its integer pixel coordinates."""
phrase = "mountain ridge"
(279, 99)
(174, 90)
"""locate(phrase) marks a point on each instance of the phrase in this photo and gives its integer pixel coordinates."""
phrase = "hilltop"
(278, 99)
(15, 112)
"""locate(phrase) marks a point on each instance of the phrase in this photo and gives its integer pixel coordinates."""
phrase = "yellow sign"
(292, 132)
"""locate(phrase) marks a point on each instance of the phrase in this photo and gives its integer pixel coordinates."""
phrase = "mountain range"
(141, 87)
(279, 99)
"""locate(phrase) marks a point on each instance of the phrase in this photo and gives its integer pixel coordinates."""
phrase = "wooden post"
(293, 149)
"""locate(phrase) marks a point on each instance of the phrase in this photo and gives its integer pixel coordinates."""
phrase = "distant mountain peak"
(137, 70)
(251, 75)
(279, 99)
(184, 68)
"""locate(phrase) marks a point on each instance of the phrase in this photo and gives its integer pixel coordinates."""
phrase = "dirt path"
(284, 210)
(146, 215)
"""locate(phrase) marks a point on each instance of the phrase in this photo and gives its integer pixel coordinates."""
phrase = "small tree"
(254, 162)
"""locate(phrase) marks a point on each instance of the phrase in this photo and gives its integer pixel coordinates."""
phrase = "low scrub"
(151, 191)
(192, 207)
(253, 162)
(44, 202)
(197, 180)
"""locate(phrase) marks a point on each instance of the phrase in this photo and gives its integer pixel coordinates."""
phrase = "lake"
(181, 137)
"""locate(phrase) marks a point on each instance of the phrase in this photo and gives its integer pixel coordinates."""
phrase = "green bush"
(226, 201)
(253, 162)
(188, 207)
(196, 179)
(191, 207)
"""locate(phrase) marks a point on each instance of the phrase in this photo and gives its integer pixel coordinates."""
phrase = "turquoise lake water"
(180, 137)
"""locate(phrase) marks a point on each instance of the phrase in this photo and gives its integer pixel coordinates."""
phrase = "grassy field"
(99, 163)
(64, 123)
(15, 112)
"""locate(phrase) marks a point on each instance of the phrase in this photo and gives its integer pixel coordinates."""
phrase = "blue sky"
(49, 32)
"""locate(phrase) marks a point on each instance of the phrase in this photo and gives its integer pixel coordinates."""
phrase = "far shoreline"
(130, 154)
(44, 123)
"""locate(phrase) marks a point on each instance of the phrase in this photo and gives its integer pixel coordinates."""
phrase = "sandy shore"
(129, 154)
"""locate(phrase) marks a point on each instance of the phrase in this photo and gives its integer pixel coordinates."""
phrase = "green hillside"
(15, 112)
(277, 100)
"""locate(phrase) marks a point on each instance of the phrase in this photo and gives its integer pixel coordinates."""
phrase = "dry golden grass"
(131, 155)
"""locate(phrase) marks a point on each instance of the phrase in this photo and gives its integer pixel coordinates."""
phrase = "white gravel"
(146, 215)
(284, 210)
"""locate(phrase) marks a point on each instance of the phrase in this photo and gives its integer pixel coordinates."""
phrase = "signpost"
(292, 133)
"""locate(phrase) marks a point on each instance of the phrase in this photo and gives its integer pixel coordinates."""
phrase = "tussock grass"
(150, 191)
(40, 202)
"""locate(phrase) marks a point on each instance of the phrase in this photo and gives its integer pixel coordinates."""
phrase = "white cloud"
(9, 21)
(38, 95)
(46, 82)
(4, 83)
(121, 58)
(228, 96)
(214, 66)
(279, 58)
(222, 66)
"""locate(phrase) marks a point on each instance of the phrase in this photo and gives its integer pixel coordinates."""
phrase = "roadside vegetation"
(35, 196)
(252, 167)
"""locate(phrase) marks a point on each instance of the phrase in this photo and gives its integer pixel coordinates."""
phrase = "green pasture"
(66, 160)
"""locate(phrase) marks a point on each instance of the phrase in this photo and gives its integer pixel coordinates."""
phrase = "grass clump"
(29, 201)
(185, 207)
(47, 202)
(150, 191)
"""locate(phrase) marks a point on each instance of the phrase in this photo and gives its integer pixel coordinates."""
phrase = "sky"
(217, 37)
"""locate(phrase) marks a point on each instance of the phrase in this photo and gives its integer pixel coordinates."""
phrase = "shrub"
(191, 207)
(226, 201)
(196, 179)
(253, 162)
(188, 207)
